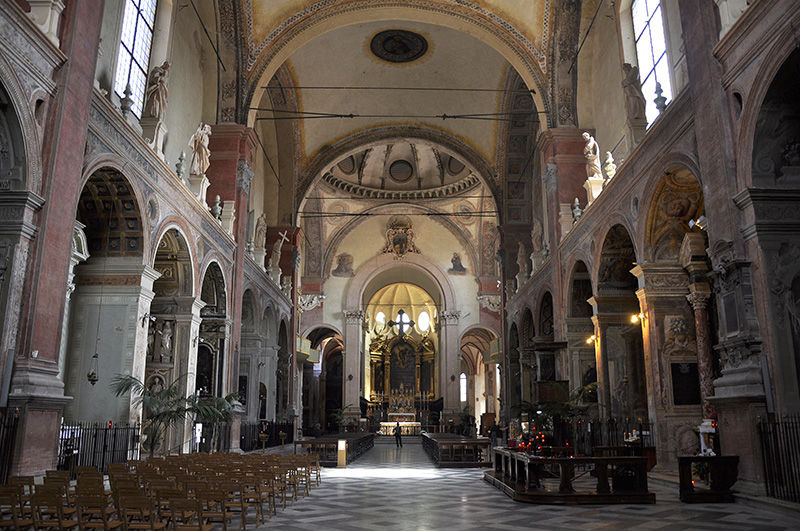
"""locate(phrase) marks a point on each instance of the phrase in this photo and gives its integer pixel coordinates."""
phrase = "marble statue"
(151, 341)
(632, 88)
(275, 258)
(166, 342)
(200, 152)
(592, 153)
(157, 91)
(523, 266)
(157, 385)
(261, 231)
(537, 233)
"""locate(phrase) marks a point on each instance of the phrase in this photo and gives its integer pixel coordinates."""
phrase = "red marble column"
(698, 298)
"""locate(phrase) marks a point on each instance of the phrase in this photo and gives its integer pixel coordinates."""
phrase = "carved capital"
(451, 317)
(490, 302)
(307, 303)
(698, 300)
(354, 316)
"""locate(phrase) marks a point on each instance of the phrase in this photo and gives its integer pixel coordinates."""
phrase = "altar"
(407, 427)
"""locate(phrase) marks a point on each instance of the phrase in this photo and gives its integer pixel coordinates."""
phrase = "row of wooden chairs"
(198, 491)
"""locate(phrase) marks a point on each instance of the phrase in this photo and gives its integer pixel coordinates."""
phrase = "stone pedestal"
(199, 184)
(259, 255)
(636, 130)
(45, 13)
(228, 216)
(738, 428)
(565, 218)
(154, 132)
(593, 186)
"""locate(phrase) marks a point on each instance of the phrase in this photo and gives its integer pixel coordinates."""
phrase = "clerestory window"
(651, 53)
(463, 382)
(134, 51)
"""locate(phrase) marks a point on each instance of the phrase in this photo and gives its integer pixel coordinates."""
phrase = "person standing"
(398, 432)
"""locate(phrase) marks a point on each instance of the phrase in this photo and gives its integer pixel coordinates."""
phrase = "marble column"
(449, 360)
(352, 361)
(698, 298)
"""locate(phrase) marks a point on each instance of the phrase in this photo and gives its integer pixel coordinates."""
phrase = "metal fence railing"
(9, 420)
(94, 444)
(780, 447)
(584, 435)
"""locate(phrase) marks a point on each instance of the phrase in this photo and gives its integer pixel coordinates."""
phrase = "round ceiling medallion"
(398, 46)
(401, 171)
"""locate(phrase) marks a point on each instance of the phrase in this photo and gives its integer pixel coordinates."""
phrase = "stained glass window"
(134, 51)
(651, 52)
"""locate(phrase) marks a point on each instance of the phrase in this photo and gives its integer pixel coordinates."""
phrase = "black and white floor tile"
(394, 489)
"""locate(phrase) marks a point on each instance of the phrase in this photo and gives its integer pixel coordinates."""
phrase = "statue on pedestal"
(157, 93)
(200, 151)
(592, 153)
(632, 88)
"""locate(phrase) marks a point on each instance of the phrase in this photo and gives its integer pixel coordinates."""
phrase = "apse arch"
(414, 268)
(324, 16)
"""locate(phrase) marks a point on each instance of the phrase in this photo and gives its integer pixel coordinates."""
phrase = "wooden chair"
(94, 513)
(27, 486)
(316, 468)
(48, 512)
(187, 515)
(215, 506)
(11, 516)
(140, 513)
(162, 498)
(236, 501)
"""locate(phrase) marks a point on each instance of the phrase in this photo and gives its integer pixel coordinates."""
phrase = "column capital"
(450, 317)
(354, 316)
(698, 299)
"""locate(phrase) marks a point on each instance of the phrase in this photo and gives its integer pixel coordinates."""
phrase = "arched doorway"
(212, 341)
(326, 343)
(112, 292)
(483, 381)
(619, 346)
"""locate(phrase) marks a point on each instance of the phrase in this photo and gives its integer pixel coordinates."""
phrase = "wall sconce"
(147, 317)
(637, 317)
(350, 377)
(701, 223)
(591, 339)
(452, 377)
(196, 340)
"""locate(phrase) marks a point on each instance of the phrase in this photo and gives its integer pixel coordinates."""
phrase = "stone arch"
(425, 271)
(173, 260)
(482, 391)
(322, 17)
(513, 394)
(104, 329)
(13, 159)
(617, 256)
(24, 131)
(775, 161)
(214, 350)
(677, 199)
(249, 311)
(330, 342)
(528, 328)
(579, 291)
(774, 60)
(270, 324)
(546, 325)
(283, 387)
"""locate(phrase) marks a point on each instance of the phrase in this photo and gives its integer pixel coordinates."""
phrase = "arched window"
(380, 318)
(651, 53)
(463, 387)
(134, 51)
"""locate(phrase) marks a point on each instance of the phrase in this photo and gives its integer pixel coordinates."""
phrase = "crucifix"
(403, 323)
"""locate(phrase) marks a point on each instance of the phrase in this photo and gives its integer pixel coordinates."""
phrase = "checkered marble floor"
(392, 488)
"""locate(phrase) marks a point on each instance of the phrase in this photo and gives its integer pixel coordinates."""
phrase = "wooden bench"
(553, 480)
(455, 451)
(327, 447)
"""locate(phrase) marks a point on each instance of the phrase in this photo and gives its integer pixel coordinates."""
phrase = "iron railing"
(584, 435)
(9, 421)
(96, 445)
(780, 447)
